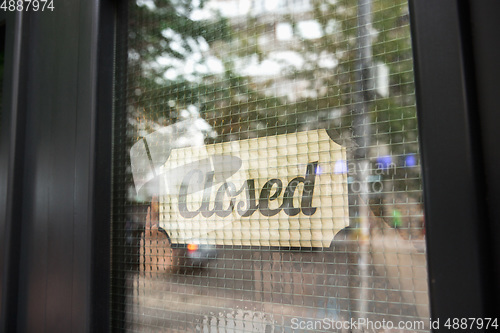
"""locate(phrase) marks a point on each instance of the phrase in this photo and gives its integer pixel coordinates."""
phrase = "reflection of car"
(195, 253)
(199, 254)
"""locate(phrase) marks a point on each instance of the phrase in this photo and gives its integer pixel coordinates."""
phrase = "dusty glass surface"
(267, 171)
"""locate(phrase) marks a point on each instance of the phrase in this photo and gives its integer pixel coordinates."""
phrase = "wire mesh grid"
(266, 168)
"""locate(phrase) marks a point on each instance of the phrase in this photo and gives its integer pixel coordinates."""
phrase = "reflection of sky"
(235, 8)
(196, 63)
(309, 29)
(276, 62)
(148, 3)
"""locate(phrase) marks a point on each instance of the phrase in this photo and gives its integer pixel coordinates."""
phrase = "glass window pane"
(267, 171)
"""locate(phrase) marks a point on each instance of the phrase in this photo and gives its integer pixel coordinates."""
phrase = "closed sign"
(282, 191)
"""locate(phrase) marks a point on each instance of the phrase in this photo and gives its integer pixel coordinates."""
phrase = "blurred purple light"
(410, 160)
(340, 167)
(384, 162)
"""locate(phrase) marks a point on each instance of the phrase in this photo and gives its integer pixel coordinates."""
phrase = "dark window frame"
(460, 236)
(89, 270)
(11, 161)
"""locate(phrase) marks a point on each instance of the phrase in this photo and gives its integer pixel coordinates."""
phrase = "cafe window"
(267, 174)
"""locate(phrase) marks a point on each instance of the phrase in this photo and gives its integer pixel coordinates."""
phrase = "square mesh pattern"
(266, 168)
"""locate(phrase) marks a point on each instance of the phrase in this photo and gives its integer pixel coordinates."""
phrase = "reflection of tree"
(159, 87)
(318, 92)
